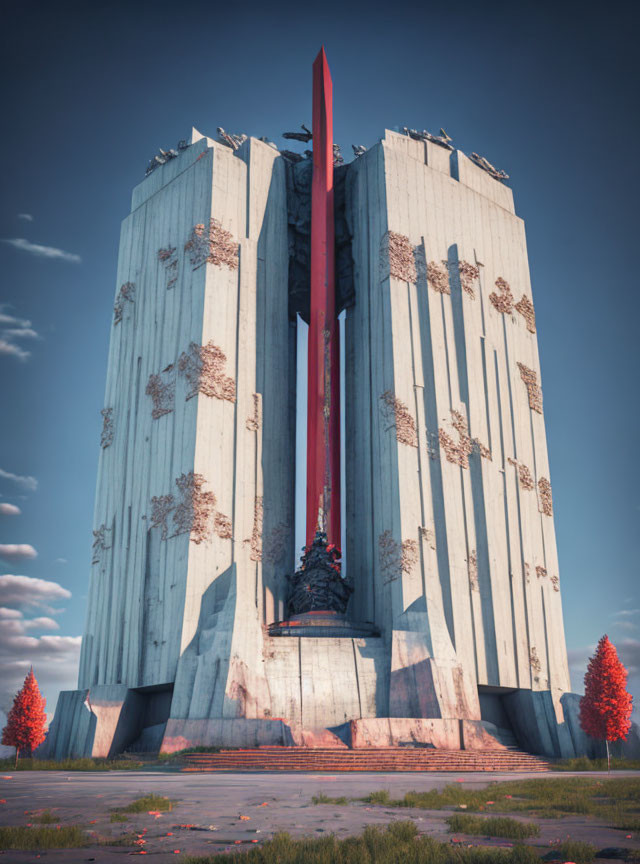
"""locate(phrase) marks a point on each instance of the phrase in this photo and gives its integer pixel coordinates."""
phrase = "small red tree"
(27, 720)
(605, 708)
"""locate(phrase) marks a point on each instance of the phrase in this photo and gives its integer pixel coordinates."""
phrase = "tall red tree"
(605, 708)
(27, 720)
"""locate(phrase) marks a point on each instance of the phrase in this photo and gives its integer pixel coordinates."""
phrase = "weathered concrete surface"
(97, 722)
(456, 562)
(450, 734)
(72, 729)
(194, 505)
(450, 534)
(272, 802)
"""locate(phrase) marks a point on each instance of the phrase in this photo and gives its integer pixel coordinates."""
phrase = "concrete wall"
(450, 536)
(447, 539)
(150, 571)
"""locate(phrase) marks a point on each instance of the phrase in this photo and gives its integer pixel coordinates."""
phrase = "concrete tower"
(449, 502)
(449, 520)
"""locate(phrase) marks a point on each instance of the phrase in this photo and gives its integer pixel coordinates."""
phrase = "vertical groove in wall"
(235, 407)
(300, 677)
(483, 351)
(544, 547)
(508, 530)
(435, 465)
(485, 584)
(459, 334)
(355, 666)
(128, 526)
(261, 385)
(511, 576)
(446, 350)
(533, 446)
(141, 613)
(420, 433)
(480, 292)
(535, 474)
(112, 603)
(509, 390)
(372, 402)
(546, 637)
(474, 628)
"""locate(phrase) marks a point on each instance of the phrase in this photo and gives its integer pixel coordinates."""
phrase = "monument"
(203, 625)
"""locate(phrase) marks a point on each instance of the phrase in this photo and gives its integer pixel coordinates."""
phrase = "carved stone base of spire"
(323, 624)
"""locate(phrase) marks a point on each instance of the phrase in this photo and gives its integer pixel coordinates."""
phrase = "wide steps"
(363, 759)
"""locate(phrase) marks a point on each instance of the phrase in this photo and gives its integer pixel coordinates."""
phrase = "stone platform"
(365, 759)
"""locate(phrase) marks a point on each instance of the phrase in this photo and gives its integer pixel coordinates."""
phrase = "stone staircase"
(364, 759)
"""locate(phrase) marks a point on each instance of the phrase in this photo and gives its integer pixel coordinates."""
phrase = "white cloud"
(61, 561)
(13, 331)
(7, 509)
(578, 659)
(26, 217)
(39, 251)
(5, 752)
(44, 646)
(54, 660)
(43, 623)
(12, 321)
(17, 551)
(629, 653)
(28, 483)
(625, 613)
(29, 591)
(10, 349)
(625, 625)
(21, 333)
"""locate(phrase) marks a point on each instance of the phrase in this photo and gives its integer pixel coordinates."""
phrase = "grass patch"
(615, 800)
(148, 802)
(8, 765)
(19, 837)
(492, 826)
(627, 823)
(397, 842)
(118, 817)
(324, 799)
(577, 851)
(46, 818)
(380, 797)
(582, 763)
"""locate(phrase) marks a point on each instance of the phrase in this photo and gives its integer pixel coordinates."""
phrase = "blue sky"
(91, 90)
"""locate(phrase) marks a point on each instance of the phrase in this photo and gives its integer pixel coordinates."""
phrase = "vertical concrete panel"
(468, 351)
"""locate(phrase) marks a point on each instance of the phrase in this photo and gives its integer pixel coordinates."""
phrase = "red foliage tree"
(605, 708)
(27, 720)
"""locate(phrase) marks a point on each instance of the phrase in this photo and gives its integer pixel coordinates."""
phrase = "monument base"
(105, 721)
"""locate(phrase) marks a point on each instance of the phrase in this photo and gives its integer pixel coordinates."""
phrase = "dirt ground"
(219, 812)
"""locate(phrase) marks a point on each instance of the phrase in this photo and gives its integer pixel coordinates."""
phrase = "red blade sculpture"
(323, 406)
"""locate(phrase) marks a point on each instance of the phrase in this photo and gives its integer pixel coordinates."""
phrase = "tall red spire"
(323, 407)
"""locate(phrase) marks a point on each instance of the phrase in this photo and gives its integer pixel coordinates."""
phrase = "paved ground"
(218, 803)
